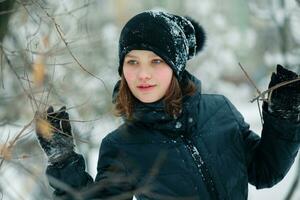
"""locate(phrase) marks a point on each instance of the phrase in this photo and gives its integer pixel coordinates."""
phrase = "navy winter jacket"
(208, 152)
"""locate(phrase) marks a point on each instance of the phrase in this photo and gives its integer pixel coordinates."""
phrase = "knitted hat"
(174, 38)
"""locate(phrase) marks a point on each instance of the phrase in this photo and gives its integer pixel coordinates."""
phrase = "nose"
(144, 73)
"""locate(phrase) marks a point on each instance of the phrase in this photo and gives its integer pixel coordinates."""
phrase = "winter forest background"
(64, 52)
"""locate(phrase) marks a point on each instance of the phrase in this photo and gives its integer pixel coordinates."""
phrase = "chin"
(148, 100)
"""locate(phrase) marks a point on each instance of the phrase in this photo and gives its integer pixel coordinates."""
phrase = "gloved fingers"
(285, 74)
(50, 110)
(54, 115)
(282, 74)
(63, 116)
(51, 114)
(274, 80)
(60, 113)
(65, 124)
(54, 118)
(61, 110)
(59, 120)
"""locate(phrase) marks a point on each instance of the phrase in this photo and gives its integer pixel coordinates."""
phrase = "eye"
(157, 61)
(132, 62)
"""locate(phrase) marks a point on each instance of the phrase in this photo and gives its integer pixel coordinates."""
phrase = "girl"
(175, 142)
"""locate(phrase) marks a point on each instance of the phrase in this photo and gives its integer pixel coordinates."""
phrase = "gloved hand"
(54, 134)
(285, 101)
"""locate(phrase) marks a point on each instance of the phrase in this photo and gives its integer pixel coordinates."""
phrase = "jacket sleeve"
(112, 180)
(71, 180)
(270, 156)
(68, 177)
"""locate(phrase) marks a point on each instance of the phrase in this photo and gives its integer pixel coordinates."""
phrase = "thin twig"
(248, 77)
(258, 91)
(32, 174)
(274, 87)
(31, 91)
(16, 74)
(59, 31)
(144, 189)
(73, 10)
(12, 143)
(58, 131)
(2, 151)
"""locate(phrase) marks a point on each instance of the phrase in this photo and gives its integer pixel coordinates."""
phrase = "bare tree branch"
(60, 33)
(270, 90)
(73, 10)
(248, 77)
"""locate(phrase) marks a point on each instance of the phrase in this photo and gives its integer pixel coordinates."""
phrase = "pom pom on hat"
(199, 34)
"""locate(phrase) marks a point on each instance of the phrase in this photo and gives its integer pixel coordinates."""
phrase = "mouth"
(145, 87)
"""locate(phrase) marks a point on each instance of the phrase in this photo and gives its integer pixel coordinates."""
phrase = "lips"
(145, 87)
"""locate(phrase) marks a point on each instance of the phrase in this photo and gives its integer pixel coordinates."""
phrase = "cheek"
(128, 74)
(165, 76)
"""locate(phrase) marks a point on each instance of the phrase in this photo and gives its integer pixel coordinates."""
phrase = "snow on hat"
(175, 39)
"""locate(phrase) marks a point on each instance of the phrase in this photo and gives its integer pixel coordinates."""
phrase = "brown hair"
(173, 99)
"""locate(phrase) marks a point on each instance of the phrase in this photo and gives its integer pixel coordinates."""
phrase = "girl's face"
(147, 75)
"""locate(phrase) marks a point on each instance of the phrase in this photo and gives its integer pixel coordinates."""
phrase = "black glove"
(54, 134)
(285, 101)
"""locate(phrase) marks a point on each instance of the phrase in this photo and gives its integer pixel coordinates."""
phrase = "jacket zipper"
(202, 168)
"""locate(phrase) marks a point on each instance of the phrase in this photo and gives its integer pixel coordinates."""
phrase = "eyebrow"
(129, 55)
(151, 56)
